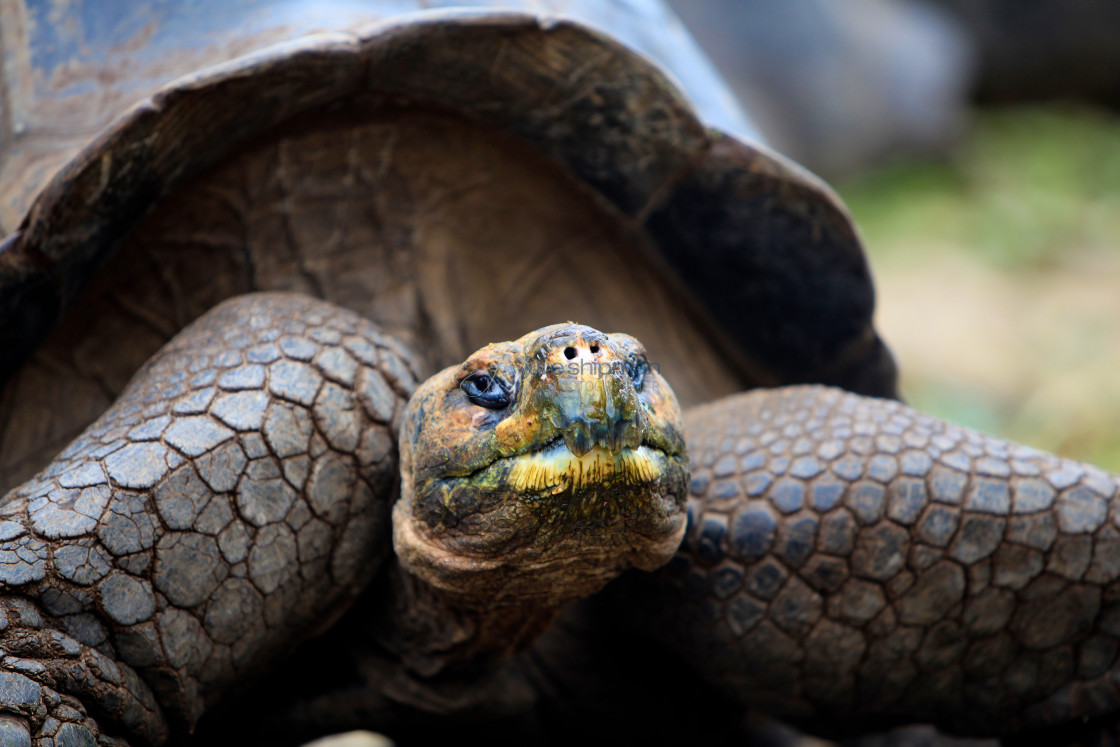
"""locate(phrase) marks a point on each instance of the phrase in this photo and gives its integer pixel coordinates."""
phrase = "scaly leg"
(851, 563)
(234, 500)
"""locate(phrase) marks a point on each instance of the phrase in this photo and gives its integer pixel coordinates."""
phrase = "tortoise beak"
(581, 385)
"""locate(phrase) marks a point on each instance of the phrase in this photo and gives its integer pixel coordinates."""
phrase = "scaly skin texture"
(851, 563)
(848, 562)
(233, 501)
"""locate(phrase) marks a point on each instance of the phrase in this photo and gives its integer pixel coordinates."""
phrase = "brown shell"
(775, 286)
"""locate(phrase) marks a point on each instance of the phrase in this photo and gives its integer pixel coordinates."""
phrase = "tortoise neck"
(433, 633)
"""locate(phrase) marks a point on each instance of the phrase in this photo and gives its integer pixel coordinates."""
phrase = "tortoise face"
(541, 468)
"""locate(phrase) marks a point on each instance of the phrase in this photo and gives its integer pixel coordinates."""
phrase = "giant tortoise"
(275, 530)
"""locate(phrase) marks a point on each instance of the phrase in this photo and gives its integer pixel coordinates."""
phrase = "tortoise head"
(540, 469)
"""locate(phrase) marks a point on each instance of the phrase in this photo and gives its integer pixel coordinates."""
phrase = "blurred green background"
(998, 274)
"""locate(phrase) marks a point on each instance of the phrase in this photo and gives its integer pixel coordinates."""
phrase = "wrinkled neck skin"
(448, 650)
(436, 635)
(451, 622)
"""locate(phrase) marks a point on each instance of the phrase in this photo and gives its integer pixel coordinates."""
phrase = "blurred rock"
(1045, 49)
(838, 86)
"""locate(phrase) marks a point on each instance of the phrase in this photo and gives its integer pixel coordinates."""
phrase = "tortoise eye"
(485, 390)
(637, 367)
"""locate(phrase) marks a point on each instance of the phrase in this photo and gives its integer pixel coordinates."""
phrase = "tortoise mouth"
(554, 468)
(544, 523)
(549, 490)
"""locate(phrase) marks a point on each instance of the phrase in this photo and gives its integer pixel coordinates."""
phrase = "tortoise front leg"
(851, 563)
(233, 501)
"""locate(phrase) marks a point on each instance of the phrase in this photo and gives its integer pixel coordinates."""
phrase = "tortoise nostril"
(594, 348)
(569, 353)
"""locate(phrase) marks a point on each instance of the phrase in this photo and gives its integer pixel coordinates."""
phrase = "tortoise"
(277, 531)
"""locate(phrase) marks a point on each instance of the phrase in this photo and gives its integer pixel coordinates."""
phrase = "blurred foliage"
(998, 270)
(1025, 188)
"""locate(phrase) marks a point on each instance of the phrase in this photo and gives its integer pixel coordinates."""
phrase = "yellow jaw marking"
(560, 469)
